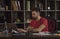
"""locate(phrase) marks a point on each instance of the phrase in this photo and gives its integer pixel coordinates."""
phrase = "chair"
(51, 24)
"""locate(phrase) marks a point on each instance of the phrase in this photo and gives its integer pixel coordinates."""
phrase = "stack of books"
(16, 5)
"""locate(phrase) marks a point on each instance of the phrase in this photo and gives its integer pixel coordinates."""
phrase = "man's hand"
(36, 30)
(39, 29)
(22, 30)
(29, 28)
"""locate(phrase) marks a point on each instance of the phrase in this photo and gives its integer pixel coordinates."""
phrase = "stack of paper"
(42, 33)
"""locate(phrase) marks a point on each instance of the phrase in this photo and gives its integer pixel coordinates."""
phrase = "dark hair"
(36, 9)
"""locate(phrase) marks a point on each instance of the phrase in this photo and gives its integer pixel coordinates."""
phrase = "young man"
(38, 23)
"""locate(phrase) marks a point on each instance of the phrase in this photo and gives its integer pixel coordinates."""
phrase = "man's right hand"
(29, 28)
(22, 30)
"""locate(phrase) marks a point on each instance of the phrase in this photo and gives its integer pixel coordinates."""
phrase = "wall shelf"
(20, 10)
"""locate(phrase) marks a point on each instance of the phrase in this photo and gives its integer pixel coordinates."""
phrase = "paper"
(41, 33)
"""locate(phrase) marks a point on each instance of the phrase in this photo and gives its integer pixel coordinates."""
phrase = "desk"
(46, 37)
(32, 37)
(38, 37)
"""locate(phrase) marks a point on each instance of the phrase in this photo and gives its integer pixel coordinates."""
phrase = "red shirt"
(36, 24)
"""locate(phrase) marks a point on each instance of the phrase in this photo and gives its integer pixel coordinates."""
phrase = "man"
(38, 23)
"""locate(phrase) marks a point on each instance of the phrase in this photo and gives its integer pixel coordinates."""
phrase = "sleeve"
(45, 22)
(31, 23)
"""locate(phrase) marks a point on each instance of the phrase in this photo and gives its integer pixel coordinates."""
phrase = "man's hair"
(36, 9)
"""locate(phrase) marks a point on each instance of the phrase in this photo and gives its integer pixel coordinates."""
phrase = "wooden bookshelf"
(20, 10)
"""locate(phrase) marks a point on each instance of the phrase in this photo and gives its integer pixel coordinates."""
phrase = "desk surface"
(31, 37)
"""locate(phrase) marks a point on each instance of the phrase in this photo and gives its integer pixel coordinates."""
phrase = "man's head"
(35, 13)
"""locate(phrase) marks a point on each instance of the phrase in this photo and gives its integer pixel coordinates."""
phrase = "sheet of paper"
(42, 33)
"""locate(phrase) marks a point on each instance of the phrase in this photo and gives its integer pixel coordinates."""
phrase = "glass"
(58, 5)
(51, 14)
(50, 4)
(58, 15)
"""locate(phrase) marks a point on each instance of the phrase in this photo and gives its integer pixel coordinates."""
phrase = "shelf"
(5, 10)
(16, 23)
(50, 10)
(21, 9)
(1, 23)
(21, 23)
(12, 10)
(58, 20)
(47, 10)
(57, 0)
(17, 10)
(27, 10)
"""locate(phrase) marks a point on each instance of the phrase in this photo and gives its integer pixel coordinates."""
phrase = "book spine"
(16, 3)
(19, 5)
(28, 5)
(14, 7)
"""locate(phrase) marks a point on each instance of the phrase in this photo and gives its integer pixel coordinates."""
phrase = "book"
(28, 5)
(14, 5)
(19, 7)
(6, 8)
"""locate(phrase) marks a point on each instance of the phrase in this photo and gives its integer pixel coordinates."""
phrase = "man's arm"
(29, 28)
(40, 28)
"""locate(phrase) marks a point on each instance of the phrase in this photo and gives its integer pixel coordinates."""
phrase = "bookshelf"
(19, 11)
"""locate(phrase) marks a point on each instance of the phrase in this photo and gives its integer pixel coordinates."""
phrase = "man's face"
(34, 14)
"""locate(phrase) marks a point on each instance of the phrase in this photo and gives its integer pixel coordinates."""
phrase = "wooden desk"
(38, 37)
(2, 35)
(32, 37)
